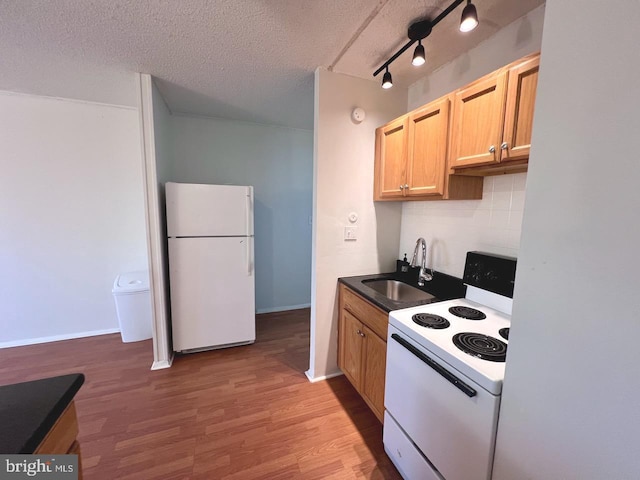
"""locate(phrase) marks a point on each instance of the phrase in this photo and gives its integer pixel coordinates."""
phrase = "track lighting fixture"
(418, 55)
(469, 19)
(421, 29)
(386, 79)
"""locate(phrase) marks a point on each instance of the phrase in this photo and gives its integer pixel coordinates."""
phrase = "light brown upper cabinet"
(391, 158)
(427, 151)
(478, 121)
(440, 150)
(417, 169)
(492, 120)
(521, 97)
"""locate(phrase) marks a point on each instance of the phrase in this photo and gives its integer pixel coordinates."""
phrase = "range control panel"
(488, 271)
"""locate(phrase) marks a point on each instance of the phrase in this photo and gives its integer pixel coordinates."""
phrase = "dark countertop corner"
(442, 287)
(29, 410)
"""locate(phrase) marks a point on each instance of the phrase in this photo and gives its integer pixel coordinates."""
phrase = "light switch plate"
(350, 233)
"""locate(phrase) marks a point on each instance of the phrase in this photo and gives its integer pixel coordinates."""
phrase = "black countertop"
(29, 410)
(442, 287)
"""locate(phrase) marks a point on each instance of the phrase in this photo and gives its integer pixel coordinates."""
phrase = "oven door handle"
(470, 392)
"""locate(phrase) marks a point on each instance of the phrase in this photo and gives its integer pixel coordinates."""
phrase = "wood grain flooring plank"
(170, 452)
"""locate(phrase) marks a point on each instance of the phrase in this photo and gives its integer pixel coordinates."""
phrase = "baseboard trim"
(161, 364)
(282, 309)
(57, 338)
(313, 379)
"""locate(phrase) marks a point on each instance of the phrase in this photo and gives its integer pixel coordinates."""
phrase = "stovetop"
(486, 372)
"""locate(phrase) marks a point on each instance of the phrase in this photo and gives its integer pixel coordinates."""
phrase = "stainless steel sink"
(397, 291)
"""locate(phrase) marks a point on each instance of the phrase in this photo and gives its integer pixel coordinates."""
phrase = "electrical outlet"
(350, 233)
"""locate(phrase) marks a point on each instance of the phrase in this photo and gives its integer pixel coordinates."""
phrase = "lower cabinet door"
(351, 347)
(375, 363)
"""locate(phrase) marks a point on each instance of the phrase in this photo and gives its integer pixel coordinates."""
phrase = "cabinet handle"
(406, 185)
(492, 149)
(401, 187)
(504, 146)
(359, 332)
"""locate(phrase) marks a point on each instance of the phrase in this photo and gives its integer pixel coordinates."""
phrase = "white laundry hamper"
(133, 305)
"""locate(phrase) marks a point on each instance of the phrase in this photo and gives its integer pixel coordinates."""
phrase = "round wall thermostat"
(353, 217)
(358, 114)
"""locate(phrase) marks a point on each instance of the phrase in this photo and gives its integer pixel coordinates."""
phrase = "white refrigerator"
(211, 274)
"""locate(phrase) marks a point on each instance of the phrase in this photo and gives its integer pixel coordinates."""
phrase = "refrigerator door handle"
(248, 241)
(249, 231)
(249, 215)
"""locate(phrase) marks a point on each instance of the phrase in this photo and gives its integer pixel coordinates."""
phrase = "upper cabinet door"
(391, 158)
(521, 97)
(478, 119)
(428, 139)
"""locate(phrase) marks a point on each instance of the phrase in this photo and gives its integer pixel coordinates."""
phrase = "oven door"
(448, 417)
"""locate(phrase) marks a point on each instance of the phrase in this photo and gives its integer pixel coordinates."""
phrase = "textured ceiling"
(242, 59)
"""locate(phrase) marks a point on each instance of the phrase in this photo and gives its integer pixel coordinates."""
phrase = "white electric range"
(445, 368)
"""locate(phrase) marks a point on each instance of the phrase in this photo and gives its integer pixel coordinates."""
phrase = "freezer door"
(212, 291)
(195, 210)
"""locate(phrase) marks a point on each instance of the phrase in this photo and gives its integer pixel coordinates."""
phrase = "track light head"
(469, 19)
(418, 55)
(387, 82)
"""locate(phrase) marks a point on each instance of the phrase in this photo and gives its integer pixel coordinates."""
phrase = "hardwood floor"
(240, 413)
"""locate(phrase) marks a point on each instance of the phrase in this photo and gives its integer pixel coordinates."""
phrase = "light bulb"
(418, 56)
(386, 80)
(469, 19)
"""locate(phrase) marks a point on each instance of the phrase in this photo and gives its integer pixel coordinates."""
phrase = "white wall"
(71, 215)
(277, 161)
(570, 398)
(492, 224)
(163, 141)
(343, 183)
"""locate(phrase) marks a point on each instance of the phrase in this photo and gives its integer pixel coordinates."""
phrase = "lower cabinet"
(362, 347)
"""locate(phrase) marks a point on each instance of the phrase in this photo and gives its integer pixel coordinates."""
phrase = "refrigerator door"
(195, 210)
(212, 292)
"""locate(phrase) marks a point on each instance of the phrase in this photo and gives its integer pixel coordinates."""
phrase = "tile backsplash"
(452, 228)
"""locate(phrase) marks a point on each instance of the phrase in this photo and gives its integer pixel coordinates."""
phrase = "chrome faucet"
(423, 276)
